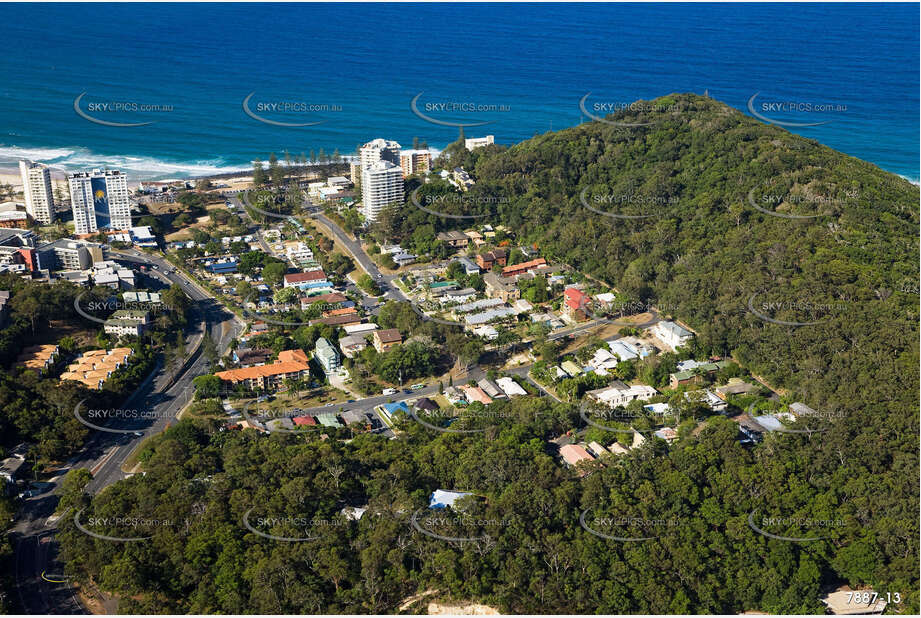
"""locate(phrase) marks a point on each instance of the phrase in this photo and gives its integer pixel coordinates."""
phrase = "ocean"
(348, 73)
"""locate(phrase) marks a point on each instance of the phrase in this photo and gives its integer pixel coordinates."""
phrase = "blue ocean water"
(522, 68)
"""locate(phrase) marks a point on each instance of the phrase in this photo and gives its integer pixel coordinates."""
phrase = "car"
(416, 387)
(329, 405)
(389, 391)
(139, 434)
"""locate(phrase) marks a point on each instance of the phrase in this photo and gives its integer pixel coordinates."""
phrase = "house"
(251, 357)
(484, 303)
(339, 320)
(510, 387)
(492, 258)
(576, 304)
(385, 339)
(617, 449)
(573, 454)
(441, 498)
(491, 388)
(458, 296)
(424, 403)
(603, 360)
(304, 421)
(305, 280)
(475, 393)
(619, 394)
(623, 350)
(352, 345)
(359, 329)
(490, 315)
(404, 259)
(708, 399)
(695, 375)
(355, 417)
(469, 267)
(475, 237)
(501, 287)
(801, 409)
(327, 355)
(487, 332)
(454, 239)
(671, 334)
(387, 410)
(519, 269)
(597, 450)
(571, 368)
(736, 386)
(454, 396)
(667, 433)
(331, 298)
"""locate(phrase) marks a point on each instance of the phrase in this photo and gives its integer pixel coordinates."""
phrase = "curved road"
(41, 587)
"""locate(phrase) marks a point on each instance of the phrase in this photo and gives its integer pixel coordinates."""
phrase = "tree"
(175, 298)
(274, 272)
(258, 173)
(284, 296)
(207, 386)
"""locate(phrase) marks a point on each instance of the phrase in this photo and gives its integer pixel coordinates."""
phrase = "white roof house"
(671, 334)
(619, 394)
(510, 387)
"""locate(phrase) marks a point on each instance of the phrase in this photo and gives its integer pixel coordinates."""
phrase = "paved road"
(160, 397)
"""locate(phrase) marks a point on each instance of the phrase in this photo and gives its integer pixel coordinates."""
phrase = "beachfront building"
(478, 142)
(379, 150)
(381, 186)
(36, 187)
(99, 200)
(415, 162)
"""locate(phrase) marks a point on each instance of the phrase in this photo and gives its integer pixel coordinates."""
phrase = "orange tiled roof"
(262, 371)
(292, 355)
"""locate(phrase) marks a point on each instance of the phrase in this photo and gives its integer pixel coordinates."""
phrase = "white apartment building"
(99, 201)
(36, 187)
(381, 185)
(479, 142)
(379, 150)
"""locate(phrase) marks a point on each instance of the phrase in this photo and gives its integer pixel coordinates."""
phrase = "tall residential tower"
(36, 187)
(100, 201)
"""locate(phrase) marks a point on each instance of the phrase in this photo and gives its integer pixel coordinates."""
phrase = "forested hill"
(833, 321)
(697, 172)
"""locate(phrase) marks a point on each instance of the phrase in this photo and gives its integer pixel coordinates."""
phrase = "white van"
(389, 391)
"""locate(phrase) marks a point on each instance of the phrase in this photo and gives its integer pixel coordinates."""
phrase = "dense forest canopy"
(824, 307)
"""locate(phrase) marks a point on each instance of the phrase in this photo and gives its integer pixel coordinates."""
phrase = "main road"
(41, 586)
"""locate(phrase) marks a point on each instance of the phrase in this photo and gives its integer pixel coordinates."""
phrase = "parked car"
(389, 391)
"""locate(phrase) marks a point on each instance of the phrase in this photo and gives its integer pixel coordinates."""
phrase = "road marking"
(103, 461)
